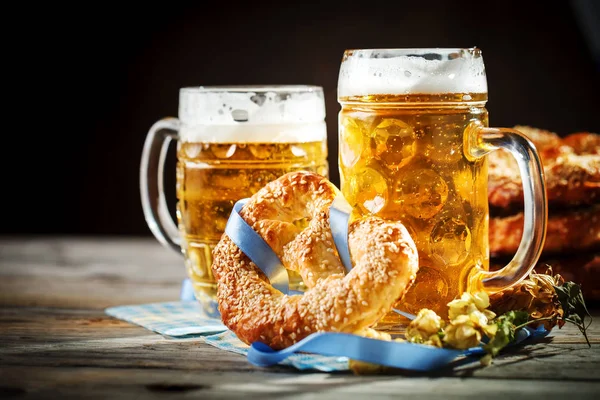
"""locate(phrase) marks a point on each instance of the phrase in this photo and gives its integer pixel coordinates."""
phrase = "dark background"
(93, 79)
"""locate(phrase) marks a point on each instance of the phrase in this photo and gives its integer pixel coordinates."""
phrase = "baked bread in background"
(567, 231)
(571, 168)
(572, 175)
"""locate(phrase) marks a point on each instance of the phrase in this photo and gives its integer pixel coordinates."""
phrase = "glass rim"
(276, 88)
(403, 51)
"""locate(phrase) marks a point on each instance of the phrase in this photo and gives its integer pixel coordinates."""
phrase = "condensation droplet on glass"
(407, 74)
(467, 97)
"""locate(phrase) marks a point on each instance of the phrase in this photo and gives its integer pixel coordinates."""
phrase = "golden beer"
(402, 158)
(211, 177)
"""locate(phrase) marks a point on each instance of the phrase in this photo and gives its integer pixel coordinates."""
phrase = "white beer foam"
(283, 114)
(361, 76)
(254, 133)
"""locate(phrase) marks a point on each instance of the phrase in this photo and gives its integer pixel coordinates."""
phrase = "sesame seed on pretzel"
(383, 254)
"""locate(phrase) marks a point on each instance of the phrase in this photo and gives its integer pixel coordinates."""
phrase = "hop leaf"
(573, 305)
(505, 333)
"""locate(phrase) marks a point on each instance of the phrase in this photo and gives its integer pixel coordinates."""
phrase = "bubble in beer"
(371, 190)
(261, 177)
(465, 183)
(261, 151)
(450, 240)
(422, 193)
(430, 286)
(192, 150)
(351, 142)
(223, 150)
(394, 142)
(441, 144)
(226, 179)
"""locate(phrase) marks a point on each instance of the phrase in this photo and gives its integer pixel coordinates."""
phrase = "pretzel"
(571, 168)
(383, 253)
(570, 232)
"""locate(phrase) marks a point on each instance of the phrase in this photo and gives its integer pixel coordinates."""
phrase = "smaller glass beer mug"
(413, 135)
(231, 141)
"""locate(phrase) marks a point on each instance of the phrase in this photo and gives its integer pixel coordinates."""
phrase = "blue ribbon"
(403, 355)
(257, 250)
(339, 214)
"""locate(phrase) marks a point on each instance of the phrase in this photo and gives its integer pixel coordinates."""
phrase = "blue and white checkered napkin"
(183, 319)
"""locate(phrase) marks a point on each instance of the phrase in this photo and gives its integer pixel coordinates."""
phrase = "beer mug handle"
(154, 203)
(480, 141)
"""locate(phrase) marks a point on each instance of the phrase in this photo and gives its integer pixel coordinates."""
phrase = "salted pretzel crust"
(383, 253)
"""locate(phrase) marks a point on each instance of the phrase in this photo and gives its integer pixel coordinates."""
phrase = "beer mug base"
(392, 323)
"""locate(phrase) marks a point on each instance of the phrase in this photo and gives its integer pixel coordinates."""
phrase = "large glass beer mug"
(230, 142)
(413, 135)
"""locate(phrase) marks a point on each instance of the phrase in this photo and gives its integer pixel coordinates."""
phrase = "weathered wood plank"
(117, 383)
(78, 338)
(87, 272)
(93, 293)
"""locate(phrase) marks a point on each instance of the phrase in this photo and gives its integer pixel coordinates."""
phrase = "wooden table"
(56, 341)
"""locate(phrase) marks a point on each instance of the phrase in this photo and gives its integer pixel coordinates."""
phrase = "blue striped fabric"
(183, 319)
(174, 319)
